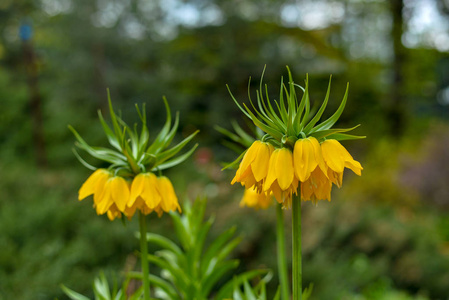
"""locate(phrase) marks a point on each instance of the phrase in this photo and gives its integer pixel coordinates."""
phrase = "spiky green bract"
(191, 270)
(287, 119)
(132, 151)
(102, 291)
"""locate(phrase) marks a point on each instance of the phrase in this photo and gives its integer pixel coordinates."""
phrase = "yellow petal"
(284, 168)
(136, 188)
(120, 192)
(355, 166)
(271, 173)
(169, 200)
(105, 199)
(89, 186)
(150, 192)
(250, 155)
(260, 164)
(332, 155)
(304, 158)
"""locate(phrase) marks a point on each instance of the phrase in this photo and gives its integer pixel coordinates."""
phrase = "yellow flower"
(252, 198)
(254, 167)
(115, 192)
(317, 187)
(150, 193)
(145, 186)
(337, 158)
(281, 180)
(306, 157)
(94, 184)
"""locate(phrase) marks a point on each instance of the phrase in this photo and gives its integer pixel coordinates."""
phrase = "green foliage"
(102, 291)
(192, 270)
(289, 119)
(132, 153)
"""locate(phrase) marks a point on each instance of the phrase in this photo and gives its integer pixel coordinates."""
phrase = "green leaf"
(175, 161)
(118, 131)
(181, 232)
(109, 133)
(228, 134)
(273, 132)
(306, 99)
(178, 276)
(72, 294)
(331, 121)
(235, 162)
(208, 282)
(215, 248)
(163, 156)
(101, 288)
(344, 137)
(239, 279)
(307, 292)
(318, 115)
(82, 161)
(158, 142)
(243, 135)
(324, 133)
(236, 102)
(163, 242)
(249, 294)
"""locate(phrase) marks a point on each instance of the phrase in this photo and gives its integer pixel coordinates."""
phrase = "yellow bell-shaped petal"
(306, 157)
(95, 182)
(337, 157)
(254, 166)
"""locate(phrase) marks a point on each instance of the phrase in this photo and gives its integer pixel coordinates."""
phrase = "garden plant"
(291, 157)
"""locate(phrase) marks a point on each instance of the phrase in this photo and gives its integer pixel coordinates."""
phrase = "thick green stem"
(296, 254)
(282, 259)
(144, 256)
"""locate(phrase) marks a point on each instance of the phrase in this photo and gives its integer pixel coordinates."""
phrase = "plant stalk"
(144, 256)
(282, 259)
(296, 251)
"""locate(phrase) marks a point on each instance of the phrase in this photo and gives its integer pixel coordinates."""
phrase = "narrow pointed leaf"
(331, 121)
(318, 115)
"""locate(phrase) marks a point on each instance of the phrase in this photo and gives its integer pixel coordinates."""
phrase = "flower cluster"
(115, 195)
(316, 166)
(129, 183)
(295, 152)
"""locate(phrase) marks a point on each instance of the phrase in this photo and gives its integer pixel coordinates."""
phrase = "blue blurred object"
(25, 31)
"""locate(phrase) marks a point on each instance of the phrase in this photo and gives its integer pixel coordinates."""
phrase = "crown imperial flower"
(304, 153)
(129, 183)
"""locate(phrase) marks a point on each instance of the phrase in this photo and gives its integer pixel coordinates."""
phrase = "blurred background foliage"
(385, 235)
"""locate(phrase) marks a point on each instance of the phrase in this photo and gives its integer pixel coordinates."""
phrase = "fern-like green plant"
(192, 270)
(102, 291)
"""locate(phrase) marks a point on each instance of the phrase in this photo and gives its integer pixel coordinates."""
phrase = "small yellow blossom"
(281, 180)
(115, 191)
(150, 193)
(252, 198)
(337, 158)
(145, 186)
(254, 167)
(306, 157)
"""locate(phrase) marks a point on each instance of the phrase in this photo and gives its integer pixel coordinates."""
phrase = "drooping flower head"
(304, 153)
(130, 182)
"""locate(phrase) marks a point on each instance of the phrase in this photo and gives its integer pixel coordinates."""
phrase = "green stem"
(282, 259)
(296, 253)
(144, 256)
